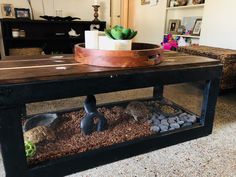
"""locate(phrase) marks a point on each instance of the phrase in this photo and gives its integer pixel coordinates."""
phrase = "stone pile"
(161, 123)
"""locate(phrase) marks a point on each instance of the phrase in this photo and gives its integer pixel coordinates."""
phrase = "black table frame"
(13, 98)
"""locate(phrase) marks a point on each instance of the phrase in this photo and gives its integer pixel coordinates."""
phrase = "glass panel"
(53, 135)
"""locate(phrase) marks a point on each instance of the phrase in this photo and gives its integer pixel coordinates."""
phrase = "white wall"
(219, 24)
(76, 8)
(149, 21)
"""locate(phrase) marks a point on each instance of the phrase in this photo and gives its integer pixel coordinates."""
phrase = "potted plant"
(117, 38)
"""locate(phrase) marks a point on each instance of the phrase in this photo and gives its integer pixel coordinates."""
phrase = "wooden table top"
(46, 68)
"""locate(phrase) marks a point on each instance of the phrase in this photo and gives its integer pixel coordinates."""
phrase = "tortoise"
(39, 134)
(138, 110)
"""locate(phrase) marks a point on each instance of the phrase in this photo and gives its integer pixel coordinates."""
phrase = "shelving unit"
(179, 12)
(185, 36)
(43, 34)
(186, 7)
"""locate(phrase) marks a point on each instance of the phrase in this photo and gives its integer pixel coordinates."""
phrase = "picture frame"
(7, 11)
(173, 25)
(144, 2)
(197, 27)
(22, 13)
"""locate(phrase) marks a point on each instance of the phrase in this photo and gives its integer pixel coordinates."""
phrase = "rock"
(156, 122)
(163, 128)
(161, 117)
(192, 119)
(187, 124)
(39, 134)
(175, 125)
(183, 115)
(149, 122)
(172, 120)
(164, 121)
(155, 129)
(171, 129)
(180, 122)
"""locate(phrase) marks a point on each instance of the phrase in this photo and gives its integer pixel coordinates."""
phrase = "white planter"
(106, 43)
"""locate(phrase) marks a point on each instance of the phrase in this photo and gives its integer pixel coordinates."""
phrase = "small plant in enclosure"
(120, 33)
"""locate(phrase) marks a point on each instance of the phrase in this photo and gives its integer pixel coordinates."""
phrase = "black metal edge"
(93, 159)
(67, 88)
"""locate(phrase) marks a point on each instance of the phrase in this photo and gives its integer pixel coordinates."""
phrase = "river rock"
(163, 128)
(161, 117)
(175, 125)
(180, 122)
(192, 119)
(172, 120)
(155, 129)
(156, 122)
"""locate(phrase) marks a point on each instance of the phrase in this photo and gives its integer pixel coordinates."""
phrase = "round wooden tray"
(141, 55)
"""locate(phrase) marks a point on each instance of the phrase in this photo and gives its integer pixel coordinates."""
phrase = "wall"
(219, 24)
(149, 21)
(76, 8)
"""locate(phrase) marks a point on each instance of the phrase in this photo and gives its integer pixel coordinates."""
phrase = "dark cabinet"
(50, 36)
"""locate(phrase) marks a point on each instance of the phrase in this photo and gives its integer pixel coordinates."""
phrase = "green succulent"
(120, 33)
(30, 149)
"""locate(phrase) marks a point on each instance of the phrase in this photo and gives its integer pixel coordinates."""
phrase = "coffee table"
(27, 80)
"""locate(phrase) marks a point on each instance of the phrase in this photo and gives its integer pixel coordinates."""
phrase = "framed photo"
(197, 27)
(22, 13)
(7, 11)
(143, 2)
(173, 25)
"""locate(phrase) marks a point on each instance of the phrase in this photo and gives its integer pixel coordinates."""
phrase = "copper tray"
(141, 55)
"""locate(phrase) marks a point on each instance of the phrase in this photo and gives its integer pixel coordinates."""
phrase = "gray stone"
(171, 129)
(180, 122)
(155, 129)
(187, 124)
(183, 115)
(175, 125)
(149, 122)
(164, 121)
(163, 128)
(156, 122)
(192, 119)
(161, 117)
(172, 120)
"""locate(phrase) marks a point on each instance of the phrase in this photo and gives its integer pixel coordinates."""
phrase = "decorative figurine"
(87, 123)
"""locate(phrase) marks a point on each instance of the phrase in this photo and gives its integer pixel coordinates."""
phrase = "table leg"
(211, 91)
(12, 143)
(158, 92)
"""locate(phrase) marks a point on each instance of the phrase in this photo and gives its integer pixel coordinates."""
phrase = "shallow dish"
(142, 54)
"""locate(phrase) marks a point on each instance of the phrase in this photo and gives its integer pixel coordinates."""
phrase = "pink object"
(169, 43)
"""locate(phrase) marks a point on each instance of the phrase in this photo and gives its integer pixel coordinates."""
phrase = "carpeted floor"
(212, 156)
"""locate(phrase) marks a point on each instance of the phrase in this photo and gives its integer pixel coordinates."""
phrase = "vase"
(106, 43)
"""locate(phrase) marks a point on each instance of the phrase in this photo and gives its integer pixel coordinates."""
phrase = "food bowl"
(142, 54)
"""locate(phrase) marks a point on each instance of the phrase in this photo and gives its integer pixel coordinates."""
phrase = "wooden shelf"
(44, 38)
(186, 36)
(186, 7)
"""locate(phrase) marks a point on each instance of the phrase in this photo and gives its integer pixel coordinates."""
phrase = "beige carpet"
(212, 156)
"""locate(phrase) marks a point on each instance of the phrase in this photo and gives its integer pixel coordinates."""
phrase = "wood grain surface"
(22, 70)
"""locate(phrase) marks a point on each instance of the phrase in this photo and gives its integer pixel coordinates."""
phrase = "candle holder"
(96, 15)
